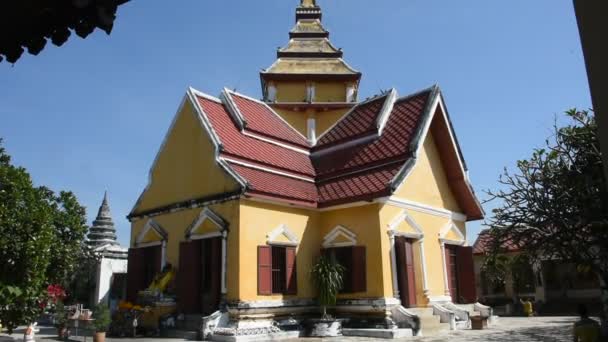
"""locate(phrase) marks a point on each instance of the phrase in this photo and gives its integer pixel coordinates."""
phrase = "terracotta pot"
(99, 337)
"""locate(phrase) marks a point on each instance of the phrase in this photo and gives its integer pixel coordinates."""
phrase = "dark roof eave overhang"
(298, 106)
(193, 203)
(266, 76)
(292, 54)
(370, 197)
(281, 199)
(323, 34)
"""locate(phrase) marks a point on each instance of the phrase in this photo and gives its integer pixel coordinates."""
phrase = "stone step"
(436, 330)
(421, 311)
(189, 322)
(183, 334)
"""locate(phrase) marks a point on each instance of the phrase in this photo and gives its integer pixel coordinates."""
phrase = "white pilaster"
(425, 288)
(445, 270)
(224, 261)
(163, 254)
(391, 235)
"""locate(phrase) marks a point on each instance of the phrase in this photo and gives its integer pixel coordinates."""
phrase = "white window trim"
(339, 230)
(206, 214)
(162, 234)
(284, 230)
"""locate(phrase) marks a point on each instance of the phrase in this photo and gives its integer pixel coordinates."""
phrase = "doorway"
(451, 265)
(405, 271)
(199, 276)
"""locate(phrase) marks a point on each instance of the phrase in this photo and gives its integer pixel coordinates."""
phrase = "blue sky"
(91, 115)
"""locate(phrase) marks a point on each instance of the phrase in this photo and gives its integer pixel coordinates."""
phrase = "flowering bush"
(55, 293)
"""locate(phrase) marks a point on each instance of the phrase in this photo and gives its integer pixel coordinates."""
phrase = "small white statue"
(30, 333)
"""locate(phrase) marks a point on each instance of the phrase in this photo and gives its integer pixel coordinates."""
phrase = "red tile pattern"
(360, 122)
(395, 141)
(484, 242)
(262, 120)
(277, 185)
(236, 144)
(363, 171)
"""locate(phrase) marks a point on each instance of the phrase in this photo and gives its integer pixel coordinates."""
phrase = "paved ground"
(507, 329)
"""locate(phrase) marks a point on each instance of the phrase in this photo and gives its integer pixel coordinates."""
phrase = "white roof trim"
(205, 214)
(155, 227)
(339, 230)
(274, 142)
(261, 168)
(231, 92)
(284, 230)
(346, 144)
(386, 111)
(233, 109)
(404, 216)
(424, 208)
(206, 124)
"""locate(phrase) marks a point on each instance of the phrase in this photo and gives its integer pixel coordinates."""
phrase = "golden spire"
(308, 3)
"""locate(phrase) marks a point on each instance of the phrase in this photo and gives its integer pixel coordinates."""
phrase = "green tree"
(41, 241)
(555, 205)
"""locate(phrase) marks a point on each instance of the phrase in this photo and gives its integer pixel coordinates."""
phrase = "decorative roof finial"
(308, 3)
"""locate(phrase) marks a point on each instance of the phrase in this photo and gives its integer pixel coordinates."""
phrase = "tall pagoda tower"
(310, 85)
(111, 269)
(102, 232)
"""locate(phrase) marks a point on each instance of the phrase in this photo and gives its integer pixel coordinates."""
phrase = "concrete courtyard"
(506, 329)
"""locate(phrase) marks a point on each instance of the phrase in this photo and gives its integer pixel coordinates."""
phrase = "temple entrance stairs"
(430, 324)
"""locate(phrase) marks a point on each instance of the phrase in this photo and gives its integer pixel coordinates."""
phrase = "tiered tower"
(310, 84)
(102, 232)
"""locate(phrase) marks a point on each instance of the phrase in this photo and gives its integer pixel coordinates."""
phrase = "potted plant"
(101, 322)
(61, 320)
(327, 279)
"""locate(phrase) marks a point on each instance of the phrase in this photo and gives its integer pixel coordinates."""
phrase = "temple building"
(245, 194)
(110, 284)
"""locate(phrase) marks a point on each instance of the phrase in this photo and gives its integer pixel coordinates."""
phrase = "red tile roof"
(262, 120)
(361, 121)
(351, 162)
(235, 144)
(484, 242)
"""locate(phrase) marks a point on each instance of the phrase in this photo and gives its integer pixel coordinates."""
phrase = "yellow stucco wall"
(427, 183)
(297, 120)
(257, 220)
(185, 168)
(291, 91)
(365, 223)
(328, 118)
(330, 92)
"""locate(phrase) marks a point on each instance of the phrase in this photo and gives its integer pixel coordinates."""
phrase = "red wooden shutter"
(411, 278)
(216, 272)
(135, 273)
(466, 274)
(264, 270)
(401, 271)
(291, 272)
(189, 277)
(358, 271)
